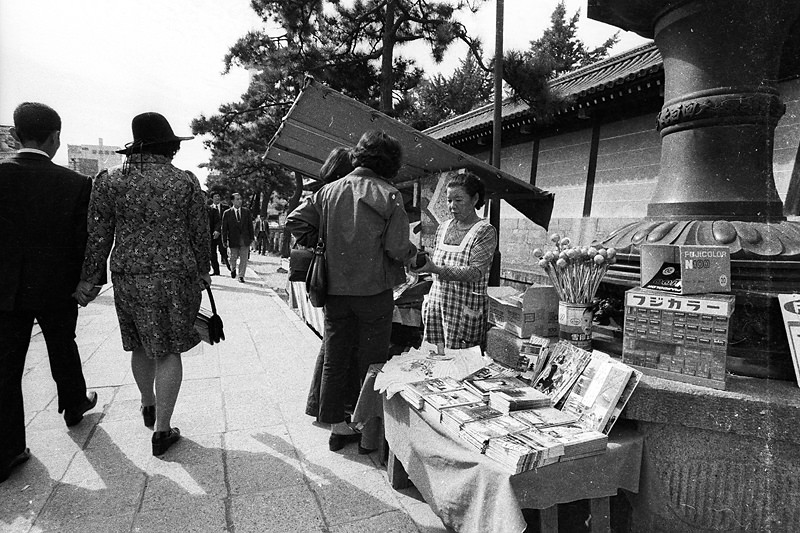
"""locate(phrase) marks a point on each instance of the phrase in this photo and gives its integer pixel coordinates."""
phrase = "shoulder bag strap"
(211, 299)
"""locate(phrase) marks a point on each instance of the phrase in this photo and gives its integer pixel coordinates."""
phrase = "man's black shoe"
(233, 273)
(74, 416)
(5, 470)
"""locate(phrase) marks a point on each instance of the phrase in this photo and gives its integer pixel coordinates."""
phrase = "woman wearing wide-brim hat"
(155, 216)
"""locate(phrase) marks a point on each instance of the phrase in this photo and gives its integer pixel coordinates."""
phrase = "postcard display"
(679, 337)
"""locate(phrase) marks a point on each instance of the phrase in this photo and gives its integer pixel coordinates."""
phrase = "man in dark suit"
(43, 234)
(237, 234)
(215, 211)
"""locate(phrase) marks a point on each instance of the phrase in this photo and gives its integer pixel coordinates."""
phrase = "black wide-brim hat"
(148, 129)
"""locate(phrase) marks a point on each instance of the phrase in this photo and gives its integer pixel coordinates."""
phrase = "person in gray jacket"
(365, 229)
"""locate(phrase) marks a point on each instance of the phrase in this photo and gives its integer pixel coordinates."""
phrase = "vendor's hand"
(215, 235)
(205, 280)
(429, 266)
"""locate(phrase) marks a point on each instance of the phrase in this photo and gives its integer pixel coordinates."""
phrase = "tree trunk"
(387, 74)
(294, 201)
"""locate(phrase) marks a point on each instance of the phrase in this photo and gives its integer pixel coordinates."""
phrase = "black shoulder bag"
(317, 278)
(208, 323)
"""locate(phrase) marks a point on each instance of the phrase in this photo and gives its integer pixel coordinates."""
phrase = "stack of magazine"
(578, 441)
(545, 417)
(507, 400)
(478, 432)
(454, 398)
(483, 387)
(414, 393)
(525, 450)
(453, 419)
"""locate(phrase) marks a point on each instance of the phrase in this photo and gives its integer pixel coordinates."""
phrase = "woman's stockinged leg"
(169, 374)
(144, 372)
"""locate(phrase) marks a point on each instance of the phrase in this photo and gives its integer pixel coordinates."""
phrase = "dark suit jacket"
(43, 210)
(232, 231)
(215, 217)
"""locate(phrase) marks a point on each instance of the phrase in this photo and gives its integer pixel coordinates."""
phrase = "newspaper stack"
(578, 442)
(545, 417)
(478, 432)
(454, 418)
(414, 393)
(483, 387)
(516, 399)
(525, 450)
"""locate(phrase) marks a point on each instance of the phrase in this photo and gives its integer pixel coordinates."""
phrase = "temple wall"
(628, 157)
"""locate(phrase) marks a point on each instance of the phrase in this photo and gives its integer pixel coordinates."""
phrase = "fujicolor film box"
(686, 269)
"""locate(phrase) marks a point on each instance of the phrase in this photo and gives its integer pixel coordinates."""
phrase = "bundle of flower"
(575, 272)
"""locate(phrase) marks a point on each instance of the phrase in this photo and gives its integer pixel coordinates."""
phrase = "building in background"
(8, 144)
(89, 159)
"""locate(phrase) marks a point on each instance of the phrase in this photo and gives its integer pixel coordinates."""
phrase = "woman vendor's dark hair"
(379, 152)
(338, 165)
(471, 183)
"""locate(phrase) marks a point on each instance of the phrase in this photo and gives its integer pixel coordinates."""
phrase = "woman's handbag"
(208, 323)
(317, 278)
(299, 263)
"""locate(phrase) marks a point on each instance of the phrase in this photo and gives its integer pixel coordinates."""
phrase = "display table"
(472, 493)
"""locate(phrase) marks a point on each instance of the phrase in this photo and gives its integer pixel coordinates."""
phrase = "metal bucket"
(575, 324)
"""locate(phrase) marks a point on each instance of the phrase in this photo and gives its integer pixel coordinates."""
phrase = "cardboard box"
(533, 312)
(686, 337)
(686, 269)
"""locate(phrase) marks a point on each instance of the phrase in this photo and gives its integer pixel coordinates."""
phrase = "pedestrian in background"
(43, 237)
(261, 231)
(158, 268)
(215, 211)
(237, 234)
(365, 229)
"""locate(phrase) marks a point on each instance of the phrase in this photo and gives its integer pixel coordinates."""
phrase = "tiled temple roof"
(579, 85)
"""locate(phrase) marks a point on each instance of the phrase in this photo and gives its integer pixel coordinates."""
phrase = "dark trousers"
(352, 387)
(353, 324)
(216, 244)
(58, 329)
(261, 242)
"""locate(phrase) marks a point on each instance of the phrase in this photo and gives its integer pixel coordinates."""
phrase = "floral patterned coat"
(155, 216)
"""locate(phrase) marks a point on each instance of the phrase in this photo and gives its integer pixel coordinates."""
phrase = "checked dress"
(455, 310)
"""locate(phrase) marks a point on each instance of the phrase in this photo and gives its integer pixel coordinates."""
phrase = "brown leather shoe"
(73, 416)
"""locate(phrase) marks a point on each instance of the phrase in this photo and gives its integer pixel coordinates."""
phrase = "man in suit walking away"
(43, 210)
(215, 211)
(237, 234)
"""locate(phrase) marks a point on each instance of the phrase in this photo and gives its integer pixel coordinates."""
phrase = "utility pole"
(494, 203)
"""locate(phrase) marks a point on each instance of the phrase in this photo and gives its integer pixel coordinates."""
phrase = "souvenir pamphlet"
(545, 417)
(507, 400)
(455, 417)
(484, 386)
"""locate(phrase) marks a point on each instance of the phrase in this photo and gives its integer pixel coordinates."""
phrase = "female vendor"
(455, 311)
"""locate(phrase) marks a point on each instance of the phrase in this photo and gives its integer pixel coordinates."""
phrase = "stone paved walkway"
(251, 460)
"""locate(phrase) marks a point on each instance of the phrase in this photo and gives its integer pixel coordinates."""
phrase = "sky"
(101, 62)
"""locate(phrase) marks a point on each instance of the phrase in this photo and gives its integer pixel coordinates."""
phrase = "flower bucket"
(575, 324)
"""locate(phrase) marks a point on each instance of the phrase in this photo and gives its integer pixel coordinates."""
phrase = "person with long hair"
(155, 216)
(364, 225)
